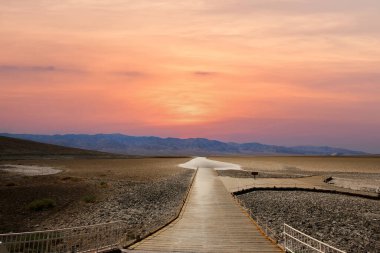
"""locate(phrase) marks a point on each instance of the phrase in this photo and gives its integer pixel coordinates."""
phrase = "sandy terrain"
(139, 169)
(146, 192)
(367, 186)
(306, 163)
(372, 185)
(354, 173)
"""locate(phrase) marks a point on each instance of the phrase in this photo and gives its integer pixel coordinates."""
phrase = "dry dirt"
(372, 185)
(306, 163)
(355, 173)
(135, 169)
(145, 192)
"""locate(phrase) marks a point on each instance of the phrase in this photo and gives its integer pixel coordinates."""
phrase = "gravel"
(144, 206)
(348, 223)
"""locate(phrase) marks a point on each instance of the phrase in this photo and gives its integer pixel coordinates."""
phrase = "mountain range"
(14, 148)
(156, 146)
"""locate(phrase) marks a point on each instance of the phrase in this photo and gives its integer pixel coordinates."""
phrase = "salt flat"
(203, 162)
(29, 170)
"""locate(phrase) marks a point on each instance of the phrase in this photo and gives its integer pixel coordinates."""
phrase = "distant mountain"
(17, 148)
(155, 146)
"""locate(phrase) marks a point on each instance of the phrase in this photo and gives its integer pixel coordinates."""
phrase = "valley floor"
(146, 193)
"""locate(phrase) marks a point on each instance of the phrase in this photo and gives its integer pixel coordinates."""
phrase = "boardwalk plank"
(210, 221)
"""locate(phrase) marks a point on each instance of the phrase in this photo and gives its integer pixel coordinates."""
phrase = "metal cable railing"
(262, 223)
(297, 242)
(93, 238)
(291, 240)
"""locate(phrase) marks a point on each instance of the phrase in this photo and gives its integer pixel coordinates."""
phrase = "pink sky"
(288, 72)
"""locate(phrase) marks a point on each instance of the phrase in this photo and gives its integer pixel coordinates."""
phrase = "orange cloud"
(207, 68)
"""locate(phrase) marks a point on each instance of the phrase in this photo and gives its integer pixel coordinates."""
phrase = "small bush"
(41, 204)
(73, 179)
(103, 184)
(10, 184)
(89, 199)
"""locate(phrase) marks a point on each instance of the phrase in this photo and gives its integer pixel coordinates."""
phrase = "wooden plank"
(211, 221)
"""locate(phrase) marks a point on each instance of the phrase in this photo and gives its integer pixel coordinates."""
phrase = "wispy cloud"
(204, 73)
(32, 68)
(131, 74)
(182, 63)
(35, 69)
(290, 6)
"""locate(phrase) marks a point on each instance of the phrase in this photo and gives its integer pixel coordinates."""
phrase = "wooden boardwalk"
(303, 183)
(211, 221)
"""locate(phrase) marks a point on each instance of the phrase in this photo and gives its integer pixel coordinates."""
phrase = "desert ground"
(356, 173)
(148, 192)
(307, 164)
(145, 192)
(347, 222)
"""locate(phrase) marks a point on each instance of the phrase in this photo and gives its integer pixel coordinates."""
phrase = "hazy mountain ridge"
(150, 145)
(19, 148)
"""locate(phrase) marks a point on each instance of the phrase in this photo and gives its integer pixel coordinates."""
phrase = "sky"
(285, 72)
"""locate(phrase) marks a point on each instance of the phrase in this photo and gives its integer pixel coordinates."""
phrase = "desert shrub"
(73, 179)
(103, 184)
(10, 184)
(89, 198)
(41, 204)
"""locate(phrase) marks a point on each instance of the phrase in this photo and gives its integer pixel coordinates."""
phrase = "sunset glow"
(287, 72)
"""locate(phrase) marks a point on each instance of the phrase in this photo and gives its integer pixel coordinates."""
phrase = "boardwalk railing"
(93, 238)
(297, 242)
(262, 223)
(292, 240)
